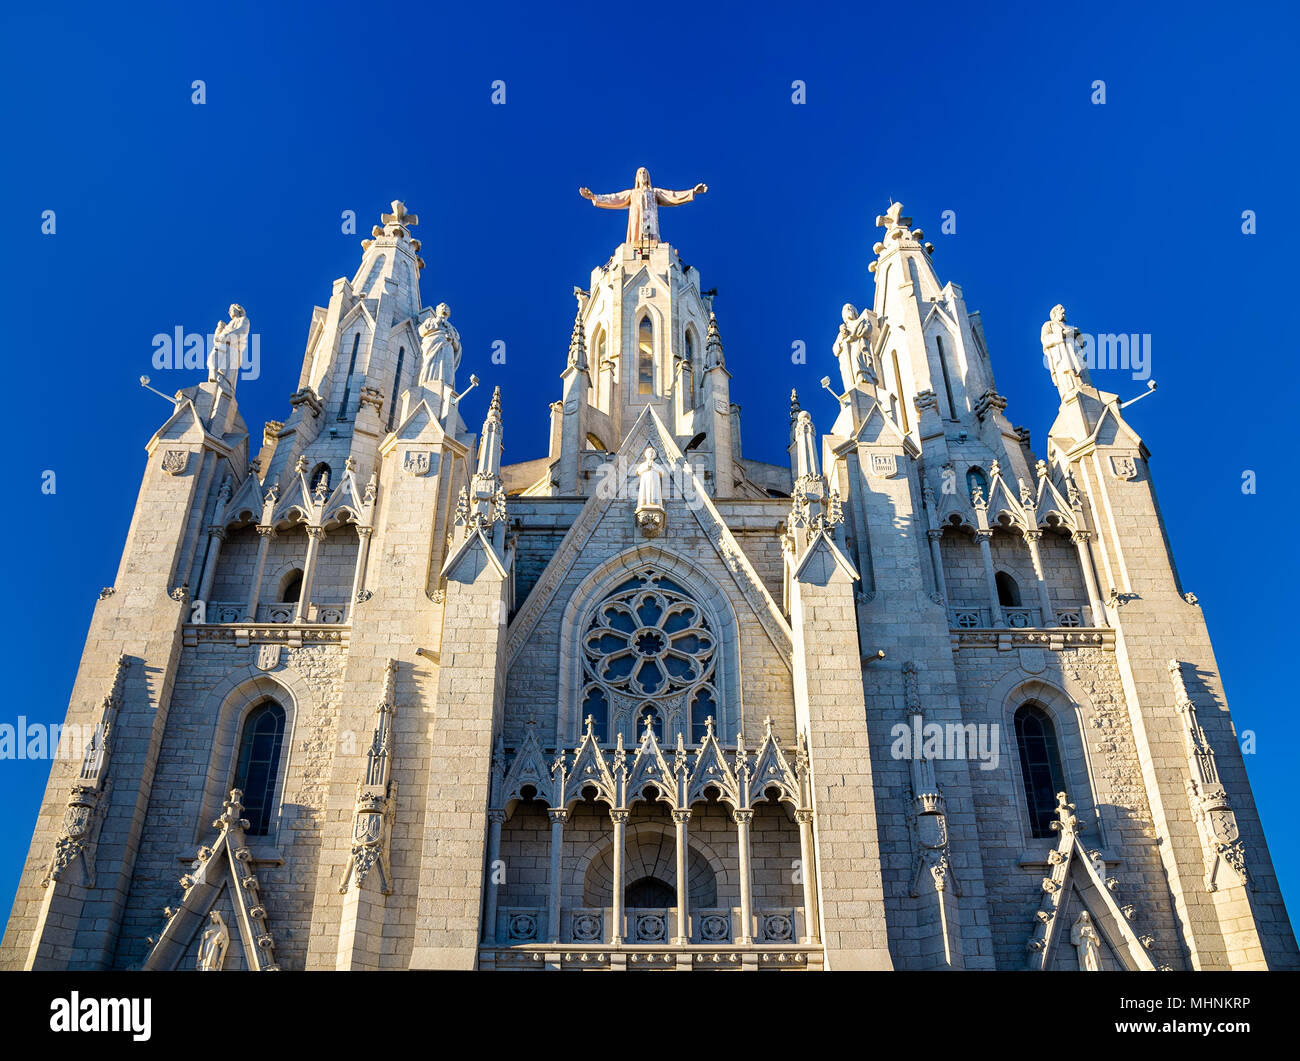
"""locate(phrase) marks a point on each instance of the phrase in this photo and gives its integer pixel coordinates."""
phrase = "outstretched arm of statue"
(664, 197)
(611, 201)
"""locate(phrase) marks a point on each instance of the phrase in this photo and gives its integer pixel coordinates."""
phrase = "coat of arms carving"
(884, 465)
(1123, 467)
(175, 461)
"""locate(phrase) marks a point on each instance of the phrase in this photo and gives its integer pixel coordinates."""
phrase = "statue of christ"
(642, 204)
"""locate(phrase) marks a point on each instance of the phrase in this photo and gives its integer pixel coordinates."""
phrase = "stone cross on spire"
(399, 218)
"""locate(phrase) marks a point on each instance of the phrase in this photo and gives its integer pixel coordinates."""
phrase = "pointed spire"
(713, 355)
(490, 445)
(578, 340)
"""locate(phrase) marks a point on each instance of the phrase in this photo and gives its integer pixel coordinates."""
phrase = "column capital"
(217, 531)
(364, 532)
(681, 817)
(496, 817)
(619, 817)
(316, 533)
(742, 817)
(935, 534)
(1033, 535)
(1081, 537)
(267, 532)
(804, 817)
(983, 536)
(558, 815)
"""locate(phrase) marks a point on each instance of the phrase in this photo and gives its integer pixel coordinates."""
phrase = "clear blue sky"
(1128, 213)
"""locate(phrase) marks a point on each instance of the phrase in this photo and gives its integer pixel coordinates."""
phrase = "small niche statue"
(213, 944)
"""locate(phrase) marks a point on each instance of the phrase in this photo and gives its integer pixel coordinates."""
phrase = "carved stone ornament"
(1123, 467)
(175, 461)
(268, 656)
(884, 465)
(416, 462)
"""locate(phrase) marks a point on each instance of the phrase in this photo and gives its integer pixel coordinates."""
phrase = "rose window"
(648, 654)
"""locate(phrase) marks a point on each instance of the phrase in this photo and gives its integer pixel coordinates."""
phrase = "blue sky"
(1129, 213)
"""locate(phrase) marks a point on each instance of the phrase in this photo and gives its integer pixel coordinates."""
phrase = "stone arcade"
(379, 700)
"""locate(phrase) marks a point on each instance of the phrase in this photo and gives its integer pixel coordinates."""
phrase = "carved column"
(683, 937)
(1081, 539)
(742, 819)
(619, 818)
(811, 917)
(1032, 538)
(495, 819)
(315, 535)
(936, 557)
(267, 535)
(558, 818)
(359, 576)
(216, 535)
(986, 554)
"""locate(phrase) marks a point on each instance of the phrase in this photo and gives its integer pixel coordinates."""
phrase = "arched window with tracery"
(1040, 766)
(645, 357)
(648, 653)
(257, 767)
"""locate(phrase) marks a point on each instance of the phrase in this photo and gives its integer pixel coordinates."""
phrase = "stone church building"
(364, 696)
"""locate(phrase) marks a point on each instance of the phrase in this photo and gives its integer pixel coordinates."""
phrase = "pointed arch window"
(947, 379)
(1040, 766)
(291, 587)
(902, 394)
(1008, 590)
(397, 386)
(645, 378)
(257, 769)
(347, 383)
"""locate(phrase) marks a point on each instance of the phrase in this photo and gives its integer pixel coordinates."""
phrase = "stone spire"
(490, 443)
(713, 356)
(578, 342)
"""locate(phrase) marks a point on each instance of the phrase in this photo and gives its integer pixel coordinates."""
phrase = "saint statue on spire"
(642, 204)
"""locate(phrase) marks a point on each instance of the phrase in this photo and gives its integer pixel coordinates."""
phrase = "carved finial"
(708, 727)
(578, 340)
(1040, 469)
(590, 725)
(713, 355)
(1065, 819)
(350, 465)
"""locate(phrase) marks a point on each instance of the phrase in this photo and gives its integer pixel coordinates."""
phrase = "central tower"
(644, 336)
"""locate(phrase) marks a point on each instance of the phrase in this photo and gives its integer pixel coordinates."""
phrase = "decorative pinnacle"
(578, 342)
(713, 341)
(494, 409)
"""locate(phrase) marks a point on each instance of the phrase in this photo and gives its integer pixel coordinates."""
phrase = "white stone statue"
(213, 945)
(853, 346)
(642, 202)
(805, 442)
(1087, 943)
(228, 343)
(1062, 353)
(440, 346)
(650, 483)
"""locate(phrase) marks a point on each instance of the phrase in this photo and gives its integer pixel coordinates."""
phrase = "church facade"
(364, 696)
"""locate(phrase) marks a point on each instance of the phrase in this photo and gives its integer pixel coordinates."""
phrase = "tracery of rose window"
(648, 653)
